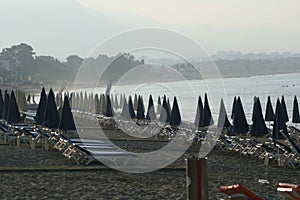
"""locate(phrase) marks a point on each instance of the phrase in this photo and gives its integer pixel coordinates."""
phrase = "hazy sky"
(64, 27)
(228, 13)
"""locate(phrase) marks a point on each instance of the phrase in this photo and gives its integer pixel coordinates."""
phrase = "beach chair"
(32, 133)
(239, 192)
(255, 150)
(86, 151)
(296, 150)
(290, 191)
(4, 131)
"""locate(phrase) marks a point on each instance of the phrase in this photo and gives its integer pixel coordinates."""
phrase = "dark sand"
(41, 174)
(45, 174)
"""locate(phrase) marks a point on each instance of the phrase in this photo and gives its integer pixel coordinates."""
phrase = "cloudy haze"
(63, 27)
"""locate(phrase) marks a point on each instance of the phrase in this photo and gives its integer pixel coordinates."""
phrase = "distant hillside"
(244, 67)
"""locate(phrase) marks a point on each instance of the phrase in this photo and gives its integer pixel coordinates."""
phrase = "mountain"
(55, 27)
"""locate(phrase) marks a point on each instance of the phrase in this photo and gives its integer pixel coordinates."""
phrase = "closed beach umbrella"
(97, 104)
(125, 108)
(121, 105)
(151, 112)
(233, 107)
(175, 114)
(103, 104)
(207, 119)
(158, 110)
(254, 107)
(258, 128)
(81, 101)
(112, 100)
(140, 114)
(6, 105)
(131, 109)
(116, 104)
(135, 102)
(67, 120)
(223, 122)
(296, 116)
(39, 117)
(285, 114)
(279, 122)
(199, 113)
(270, 116)
(165, 112)
(13, 115)
(51, 118)
(1, 104)
(169, 105)
(239, 119)
(109, 108)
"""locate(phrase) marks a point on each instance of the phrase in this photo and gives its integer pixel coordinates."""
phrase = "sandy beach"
(41, 174)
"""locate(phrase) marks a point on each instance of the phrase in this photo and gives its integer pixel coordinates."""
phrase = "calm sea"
(187, 92)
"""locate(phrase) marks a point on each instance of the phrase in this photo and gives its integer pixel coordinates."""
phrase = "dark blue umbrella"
(169, 106)
(285, 114)
(1, 104)
(165, 114)
(125, 108)
(175, 114)
(67, 120)
(239, 119)
(51, 118)
(130, 113)
(41, 107)
(109, 108)
(223, 122)
(151, 112)
(258, 128)
(140, 113)
(199, 113)
(254, 108)
(296, 116)
(270, 116)
(279, 122)
(207, 119)
(13, 115)
(233, 107)
(6, 105)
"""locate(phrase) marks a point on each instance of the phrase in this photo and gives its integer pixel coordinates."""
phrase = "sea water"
(187, 92)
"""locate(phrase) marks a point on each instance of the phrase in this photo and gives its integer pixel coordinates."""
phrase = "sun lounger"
(289, 190)
(83, 155)
(239, 192)
(85, 151)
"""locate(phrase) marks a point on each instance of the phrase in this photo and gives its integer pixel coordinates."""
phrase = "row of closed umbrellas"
(134, 109)
(48, 115)
(47, 112)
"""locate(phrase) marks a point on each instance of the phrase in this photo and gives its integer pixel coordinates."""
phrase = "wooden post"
(197, 181)
(32, 143)
(46, 144)
(18, 141)
(5, 139)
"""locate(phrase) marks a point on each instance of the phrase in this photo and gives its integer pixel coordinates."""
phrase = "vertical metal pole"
(197, 180)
